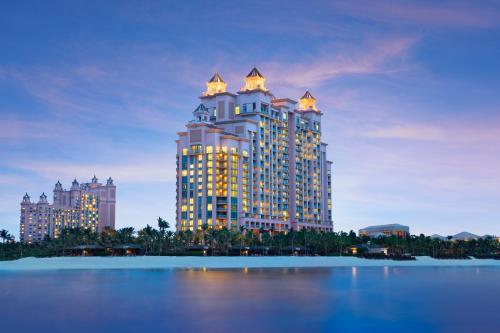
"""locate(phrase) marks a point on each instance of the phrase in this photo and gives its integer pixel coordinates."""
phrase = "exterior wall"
(89, 205)
(257, 163)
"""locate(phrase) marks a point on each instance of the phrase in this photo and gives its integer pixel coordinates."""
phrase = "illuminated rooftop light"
(307, 102)
(216, 85)
(254, 80)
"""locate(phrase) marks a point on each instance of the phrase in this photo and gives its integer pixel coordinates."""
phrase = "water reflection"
(350, 299)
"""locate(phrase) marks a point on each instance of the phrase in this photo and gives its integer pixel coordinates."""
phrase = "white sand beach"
(143, 262)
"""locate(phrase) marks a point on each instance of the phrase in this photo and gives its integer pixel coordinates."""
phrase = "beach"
(166, 262)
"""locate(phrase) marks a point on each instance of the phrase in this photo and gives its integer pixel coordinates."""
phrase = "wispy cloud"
(159, 170)
(435, 13)
(376, 56)
(451, 132)
(142, 91)
(15, 130)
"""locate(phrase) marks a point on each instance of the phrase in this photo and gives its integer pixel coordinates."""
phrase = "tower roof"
(216, 85)
(216, 78)
(94, 179)
(307, 95)
(255, 72)
(307, 102)
(43, 199)
(201, 108)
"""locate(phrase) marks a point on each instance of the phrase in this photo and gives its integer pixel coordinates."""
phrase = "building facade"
(385, 230)
(88, 205)
(254, 161)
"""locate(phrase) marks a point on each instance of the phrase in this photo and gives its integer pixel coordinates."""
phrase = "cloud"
(15, 130)
(451, 132)
(141, 90)
(376, 56)
(406, 132)
(473, 14)
(138, 171)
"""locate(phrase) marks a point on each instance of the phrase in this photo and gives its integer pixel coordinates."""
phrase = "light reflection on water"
(351, 299)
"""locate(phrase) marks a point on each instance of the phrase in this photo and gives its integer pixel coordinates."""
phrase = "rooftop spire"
(43, 198)
(215, 85)
(216, 78)
(307, 102)
(255, 72)
(254, 81)
(58, 186)
(26, 198)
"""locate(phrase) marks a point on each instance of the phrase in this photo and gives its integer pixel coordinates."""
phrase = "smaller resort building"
(385, 230)
(87, 206)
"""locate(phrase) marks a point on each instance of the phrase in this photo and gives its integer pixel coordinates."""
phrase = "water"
(368, 299)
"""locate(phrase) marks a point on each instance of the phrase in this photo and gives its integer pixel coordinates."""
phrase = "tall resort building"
(250, 160)
(88, 205)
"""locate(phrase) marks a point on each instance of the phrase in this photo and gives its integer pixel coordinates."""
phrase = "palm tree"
(163, 225)
(4, 235)
(146, 236)
(126, 234)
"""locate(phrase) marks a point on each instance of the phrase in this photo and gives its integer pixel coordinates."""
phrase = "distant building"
(368, 248)
(254, 161)
(88, 205)
(385, 230)
(461, 236)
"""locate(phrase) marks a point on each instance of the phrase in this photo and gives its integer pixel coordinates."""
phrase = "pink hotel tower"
(88, 205)
(251, 160)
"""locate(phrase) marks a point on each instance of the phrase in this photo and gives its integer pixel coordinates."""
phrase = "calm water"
(256, 300)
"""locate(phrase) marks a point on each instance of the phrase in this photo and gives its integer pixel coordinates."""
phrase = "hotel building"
(385, 230)
(252, 160)
(88, 205)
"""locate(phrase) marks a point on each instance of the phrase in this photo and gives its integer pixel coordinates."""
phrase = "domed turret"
(58, 186)
(254, 81)
(26, 199)
(307, 102)
(201, 114)
(216, 85)
(94, 180)
(43, 199)
(75, 185)
(109, 181)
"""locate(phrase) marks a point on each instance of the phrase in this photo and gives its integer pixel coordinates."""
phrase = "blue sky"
(409, 91)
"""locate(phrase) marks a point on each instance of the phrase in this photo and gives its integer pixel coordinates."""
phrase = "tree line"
(160, 241)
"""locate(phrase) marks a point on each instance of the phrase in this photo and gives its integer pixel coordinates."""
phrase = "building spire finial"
(307, 102)
(254, 81)
(215, 85)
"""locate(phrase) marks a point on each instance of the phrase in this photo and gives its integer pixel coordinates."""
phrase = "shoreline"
(170, 262)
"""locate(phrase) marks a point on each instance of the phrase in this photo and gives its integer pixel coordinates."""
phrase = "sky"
(410, 92)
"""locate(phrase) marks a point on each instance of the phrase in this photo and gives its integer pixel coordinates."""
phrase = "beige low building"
(385, 230)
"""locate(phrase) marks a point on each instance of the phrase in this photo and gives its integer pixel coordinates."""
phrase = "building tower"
(254, 161)
(88, 205)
